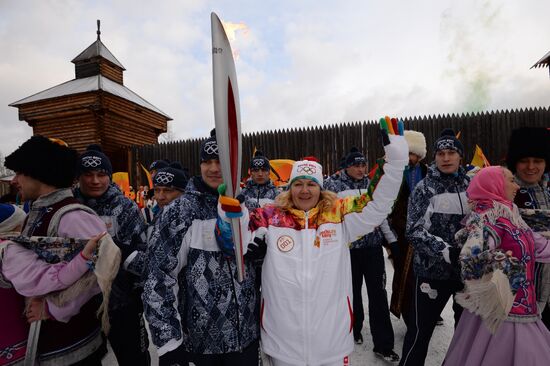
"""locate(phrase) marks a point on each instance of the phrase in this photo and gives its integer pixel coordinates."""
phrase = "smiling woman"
(306, 308)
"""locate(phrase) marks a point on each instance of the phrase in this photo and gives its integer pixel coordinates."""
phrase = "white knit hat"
(11, 216)
(307, 169)
(416, 142)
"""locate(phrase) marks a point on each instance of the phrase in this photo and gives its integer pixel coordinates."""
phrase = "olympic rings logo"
(258, 163)
(91, 161)
(164, 178)
(446, 144)
(211, 148)
(308, 169)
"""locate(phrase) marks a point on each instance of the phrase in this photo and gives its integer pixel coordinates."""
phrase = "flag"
(149, 179)
(123, 181)
(479, 158)
(280, 171)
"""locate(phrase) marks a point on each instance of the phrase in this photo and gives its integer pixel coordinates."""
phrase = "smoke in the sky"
(473, 64)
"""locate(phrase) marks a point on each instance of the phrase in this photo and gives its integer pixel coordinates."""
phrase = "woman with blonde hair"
(306, 315)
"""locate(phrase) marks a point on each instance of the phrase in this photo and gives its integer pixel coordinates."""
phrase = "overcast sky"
(300, 63)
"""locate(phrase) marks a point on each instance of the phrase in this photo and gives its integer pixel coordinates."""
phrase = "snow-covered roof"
(543, 62)
(97, 49)
(96, 82)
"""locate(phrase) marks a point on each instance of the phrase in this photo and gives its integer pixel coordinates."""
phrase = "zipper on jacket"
(459, 198)
(239, 341)
(305, 294)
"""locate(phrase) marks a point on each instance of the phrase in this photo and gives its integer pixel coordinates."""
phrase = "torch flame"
(231, 28)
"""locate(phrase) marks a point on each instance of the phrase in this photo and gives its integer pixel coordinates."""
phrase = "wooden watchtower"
(95, 107)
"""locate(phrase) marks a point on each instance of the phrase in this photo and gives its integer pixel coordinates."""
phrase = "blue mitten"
(224, 237)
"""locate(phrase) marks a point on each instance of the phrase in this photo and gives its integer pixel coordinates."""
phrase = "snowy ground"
(363, 354)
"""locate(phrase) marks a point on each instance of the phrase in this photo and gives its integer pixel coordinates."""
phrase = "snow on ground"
(441, 338)
(363, 354)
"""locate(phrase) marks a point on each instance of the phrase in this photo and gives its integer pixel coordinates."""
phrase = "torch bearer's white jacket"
(306, 309)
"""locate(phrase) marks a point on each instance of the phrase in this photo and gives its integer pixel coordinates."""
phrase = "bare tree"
(169, 135)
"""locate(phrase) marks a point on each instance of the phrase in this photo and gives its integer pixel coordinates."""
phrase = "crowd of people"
(82, 264)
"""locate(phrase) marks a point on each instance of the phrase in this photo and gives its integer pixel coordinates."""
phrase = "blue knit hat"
(11, 217)
(259, 161)
(353, 157)
(94, 159)
(172, 176)
(448, 141)
(209, 148)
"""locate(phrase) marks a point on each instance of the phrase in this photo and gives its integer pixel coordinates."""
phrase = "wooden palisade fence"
(490, 130)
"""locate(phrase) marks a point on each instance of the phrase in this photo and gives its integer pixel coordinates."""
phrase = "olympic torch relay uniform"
(306, 306)
(191, 296)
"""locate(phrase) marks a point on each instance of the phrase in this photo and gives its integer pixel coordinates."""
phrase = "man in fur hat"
(529, 159)
(128, 335)
(45, 171)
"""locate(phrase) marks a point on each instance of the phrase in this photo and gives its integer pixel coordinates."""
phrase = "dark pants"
(429, 300)
(128, 336)
(250, 356)
(546, 316)
(368, 263)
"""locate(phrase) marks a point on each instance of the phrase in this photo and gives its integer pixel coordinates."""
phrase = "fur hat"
(44, 160)
(94, 159)
(11, 216)
(172, 176)
(354, 156)
(307, 169)
(259, 161)
(528, 142)
(448, 141)
(209, 148)
(416, 142)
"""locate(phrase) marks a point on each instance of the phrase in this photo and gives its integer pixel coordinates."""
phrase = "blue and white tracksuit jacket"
(191, 295)
(436, 207)
(125, 225)
(258, 195)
